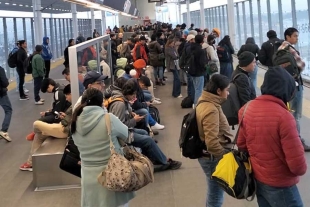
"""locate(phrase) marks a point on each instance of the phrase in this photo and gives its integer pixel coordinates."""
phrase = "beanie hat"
(217, 31)
(245, 58)
(133, 73)
(39, 48)
(271, 34)
(139, 64)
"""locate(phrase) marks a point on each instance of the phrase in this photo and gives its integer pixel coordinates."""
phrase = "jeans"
(198, 83)
(147, 96)
(158, 73)
(226, 69)
(148, 146)
(21, 75)
(190, 87)
(268, 196)
(176, 90)
(215, 194)
(253, 77)
(296, 106)
(47, 67)
(7, 107)
(37, 86)
(148, 118)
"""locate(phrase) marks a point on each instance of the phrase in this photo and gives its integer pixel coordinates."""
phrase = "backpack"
(286, 60)
(28, 64)
(190, 143)
(186, 60)
(222, 54)
(12, 59)
(187, 102)
(232, 105)
(109, 101)
(154, 113)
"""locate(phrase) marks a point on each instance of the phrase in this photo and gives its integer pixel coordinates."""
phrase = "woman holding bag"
(93, 142)
(172, 64)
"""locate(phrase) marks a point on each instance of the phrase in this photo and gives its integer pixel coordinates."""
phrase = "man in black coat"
(21, 57)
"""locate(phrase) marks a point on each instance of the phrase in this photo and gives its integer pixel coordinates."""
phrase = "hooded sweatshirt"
(250, 46)
(268, 132)
(46, 52)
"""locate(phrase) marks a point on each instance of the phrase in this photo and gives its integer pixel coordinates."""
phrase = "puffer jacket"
(268, 132)
(212, 124)
(155, 50)
(250, 46)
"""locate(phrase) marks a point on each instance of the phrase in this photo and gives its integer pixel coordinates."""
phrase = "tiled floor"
(182, 188)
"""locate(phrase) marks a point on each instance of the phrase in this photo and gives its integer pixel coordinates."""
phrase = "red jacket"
(269, 134)
(143, 54)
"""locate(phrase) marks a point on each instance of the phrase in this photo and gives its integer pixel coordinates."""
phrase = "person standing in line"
(21, 57)
(15, 49)
(47, 55)
(37, 74)
(66, 52)
(6, 105)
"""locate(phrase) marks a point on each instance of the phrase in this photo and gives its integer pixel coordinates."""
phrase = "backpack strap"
(111, 100)
(236, 136)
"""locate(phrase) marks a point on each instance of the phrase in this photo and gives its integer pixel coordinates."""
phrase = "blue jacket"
(46, 52)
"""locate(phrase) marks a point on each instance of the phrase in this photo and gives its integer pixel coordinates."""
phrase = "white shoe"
(155, 102)
(180, 96)
(5, 136)
(158, 127)
(42, 100)
(26, 90)
(39, 102)
(157, 99)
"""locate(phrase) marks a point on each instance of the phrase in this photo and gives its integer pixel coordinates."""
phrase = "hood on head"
(108, 92)
(89, 119)
(45, 40)
(279, 83)
(250, 40)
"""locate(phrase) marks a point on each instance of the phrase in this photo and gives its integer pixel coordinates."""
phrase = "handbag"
(161, 56)
(70, 161)
(125, 173)
(234, 172)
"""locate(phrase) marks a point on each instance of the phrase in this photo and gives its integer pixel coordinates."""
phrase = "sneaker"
(306, 147)
(26, 167)
(180, 96)
(26, 90)
(39, 102)
(42, 100)
(5, 136)
(155, 102)
(174, 165)
(24, 98)
(30, 136)
(157, 99)
(158, 127)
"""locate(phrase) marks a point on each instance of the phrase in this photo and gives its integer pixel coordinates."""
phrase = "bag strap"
(108, 125)
(236, 136)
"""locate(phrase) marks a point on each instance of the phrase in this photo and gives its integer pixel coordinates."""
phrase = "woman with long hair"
(91, 137)
(227, 50)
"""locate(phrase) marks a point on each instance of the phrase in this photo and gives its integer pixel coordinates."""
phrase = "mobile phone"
(56, 112)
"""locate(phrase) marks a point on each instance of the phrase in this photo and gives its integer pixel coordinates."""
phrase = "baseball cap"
(190, 37)
(92, 77)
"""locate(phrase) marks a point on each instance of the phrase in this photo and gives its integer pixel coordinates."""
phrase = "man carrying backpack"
(21, 57)
(291, 38)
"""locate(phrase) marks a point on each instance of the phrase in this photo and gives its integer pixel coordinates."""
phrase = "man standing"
(21, 57)
(37, 74)
(6, 105)
(291, 38)
(47, 56)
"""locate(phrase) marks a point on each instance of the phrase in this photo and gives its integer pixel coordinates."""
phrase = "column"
(37, 14)
(202, 14)
(231, 21)
(103, 22)
(93, 25)
(74, 21)
(188, 14)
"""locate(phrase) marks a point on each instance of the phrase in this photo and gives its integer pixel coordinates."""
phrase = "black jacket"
(250, 46)
(140, 102)
(66, 56)
(21, 57)
(267, 50)
(246, 90)
(198, 63)
(4, 82)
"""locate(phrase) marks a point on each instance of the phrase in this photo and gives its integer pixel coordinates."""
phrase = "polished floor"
(181, 188)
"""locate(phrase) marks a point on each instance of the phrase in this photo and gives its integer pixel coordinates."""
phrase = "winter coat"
(37, 66)
(213, 126)
(46, 52)
(268, 132)
(4, 82)
(250, 46)
(266, 52)
(170, 55)
(198, 65)
(92, 139)
(155, 49)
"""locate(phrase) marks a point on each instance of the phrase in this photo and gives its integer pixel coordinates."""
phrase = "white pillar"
(92, 14)
(180, 15)
(37, 14)
(103, 22)
(202, 14)
(74, 20)
(188, 14)
(231, 21)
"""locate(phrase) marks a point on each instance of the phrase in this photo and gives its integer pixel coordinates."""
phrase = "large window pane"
(287, 14)
(255, 22)
(237, 27)
(2, 50)
(241, 25)
(275, 23)
(20, 28)
(248, 19)
(265, 27)
(30, 45)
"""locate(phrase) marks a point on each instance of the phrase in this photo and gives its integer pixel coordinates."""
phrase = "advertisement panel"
(127, 6)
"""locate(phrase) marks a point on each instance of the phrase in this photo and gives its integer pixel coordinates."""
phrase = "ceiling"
(48, 6)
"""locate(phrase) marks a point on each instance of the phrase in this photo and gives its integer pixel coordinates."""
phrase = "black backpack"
(186, 60)
(28, 64)
(286, 60)
(190, 143)
(154, 113)
(12, 59)
(222, 53)
(187, 102)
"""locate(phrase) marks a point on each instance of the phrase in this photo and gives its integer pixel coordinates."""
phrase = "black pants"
(21, 74)
(37, 86)
(47, 67)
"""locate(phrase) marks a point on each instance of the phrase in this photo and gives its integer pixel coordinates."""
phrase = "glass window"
(236, 27)
(241, 25)
(10, 30)
(275, 22)
(287, 14)
(30, 45)
(20, 28)
(2, 49)
(265, 26)
(248, 19)
(255, 22)
(225, 20)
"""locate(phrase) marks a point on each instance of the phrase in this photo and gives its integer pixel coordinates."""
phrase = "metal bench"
(46, 172)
